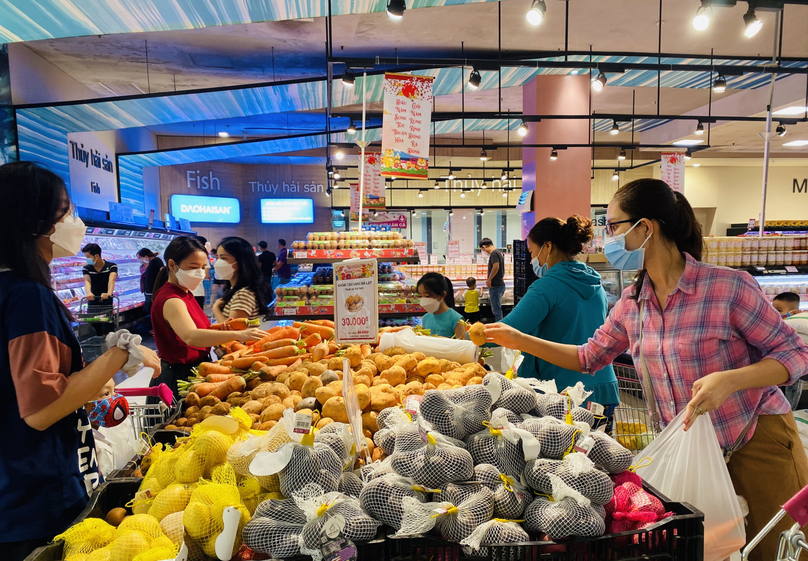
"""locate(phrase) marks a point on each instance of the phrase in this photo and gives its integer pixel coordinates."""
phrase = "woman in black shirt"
(154, 264)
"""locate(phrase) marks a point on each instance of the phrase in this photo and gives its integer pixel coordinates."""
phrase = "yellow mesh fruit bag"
(85, 537)
(202, 517)
(172, 499)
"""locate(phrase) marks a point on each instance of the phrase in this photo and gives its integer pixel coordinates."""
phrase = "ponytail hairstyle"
(178, 250)
(146, 252)
(655, 200)
(437, 284)
(569, 237)
(249, 273)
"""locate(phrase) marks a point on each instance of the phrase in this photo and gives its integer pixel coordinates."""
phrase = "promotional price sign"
(405, 125)
(356, 301)
(453, 249)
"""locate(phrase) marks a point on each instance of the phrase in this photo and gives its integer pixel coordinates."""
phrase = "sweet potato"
(234, 384)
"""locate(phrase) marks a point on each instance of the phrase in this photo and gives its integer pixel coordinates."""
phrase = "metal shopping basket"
(632, 423)
(93, 313)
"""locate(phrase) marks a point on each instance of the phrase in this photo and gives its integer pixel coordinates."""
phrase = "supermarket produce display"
(296, 446)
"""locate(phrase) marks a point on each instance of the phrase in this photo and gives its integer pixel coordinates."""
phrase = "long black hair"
(437, 284)
(655, 200)
(249, 273)
(569, 237)
(178, 250)
(34, 200)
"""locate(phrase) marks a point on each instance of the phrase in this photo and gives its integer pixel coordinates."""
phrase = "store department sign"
(195, 208)
(93, 181)
(405, 125)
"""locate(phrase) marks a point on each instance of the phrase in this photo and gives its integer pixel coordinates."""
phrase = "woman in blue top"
(566, 304)
(437, 298)
(48, 466)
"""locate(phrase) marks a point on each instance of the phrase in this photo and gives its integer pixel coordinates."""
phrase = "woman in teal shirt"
(437, 298)
(565, 305)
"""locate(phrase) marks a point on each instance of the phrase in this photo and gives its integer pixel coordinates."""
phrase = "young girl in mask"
(246, 295)
(437, 298)
(180, 326)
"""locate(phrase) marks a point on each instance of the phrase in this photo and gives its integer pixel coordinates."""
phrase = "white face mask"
(431, 305)
(224, 270)
(190, 279)
(67, 237)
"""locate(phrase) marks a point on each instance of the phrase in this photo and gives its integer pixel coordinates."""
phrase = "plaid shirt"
(716, 319)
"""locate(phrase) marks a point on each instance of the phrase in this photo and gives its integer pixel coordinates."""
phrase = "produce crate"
(678, 538)
(109, 495)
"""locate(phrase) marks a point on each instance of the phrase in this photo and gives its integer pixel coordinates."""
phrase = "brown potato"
(255, 418)
(476, 369)
(315, 368)
(370, 446)
(296, 381)
(395, 351)
(324, 394)
(412, 388)
(191, 411)
(378, 455)
(297, 393)
(310, 386)
(445, 386)
(191, 422)
(221, 409)
(365, 371)
(379, 381)
(363, 395)
(382, 388)
(204, 411)
(192, 400)
(271, 400)
(335, 409)
(435, 379)
(476, 381)
(273, 413)
(413, 378)
(369, 421)
(335, 364)
(362, 380)
(292, 401)
(477, 334)
(395, 375)
(371, 365)
(336, 386)
(181, 422)
(209, 400)
(282, 377)
(329, 376)
(427, 367)
(381, 401)
(430, 386)
(407, 362)
(324, 422)
(367, 433)
(384, 362)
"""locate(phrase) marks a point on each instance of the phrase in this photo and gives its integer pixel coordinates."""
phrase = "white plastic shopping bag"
(689, 467)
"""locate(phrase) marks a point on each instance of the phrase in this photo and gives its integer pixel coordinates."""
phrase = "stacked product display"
(752, 250)
(347, 245)
(459, 273)
(299, 446)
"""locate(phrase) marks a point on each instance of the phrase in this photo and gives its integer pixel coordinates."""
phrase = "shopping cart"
(632, 423)
(147, 416)
(792, 541)
(90, 311)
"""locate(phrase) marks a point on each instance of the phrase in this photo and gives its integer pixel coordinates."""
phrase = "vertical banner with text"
(405, 125)
(356, 301)
(673, 171)
(374, 196)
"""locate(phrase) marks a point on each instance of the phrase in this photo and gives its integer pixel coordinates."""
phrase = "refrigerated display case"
(614, 281)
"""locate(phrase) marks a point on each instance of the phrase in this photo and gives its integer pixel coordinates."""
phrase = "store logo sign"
(798, 187)
(194, 208)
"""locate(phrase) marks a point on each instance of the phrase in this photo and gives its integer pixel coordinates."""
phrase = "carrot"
(319, 351)
(325, 332)
(234, 384)
(332, 347)
(205, 388)
(365, 350)
(234, 355)
(247, 362)
(214, 378)
(239, 346)
(212, 368)
(277, 344)
(323, 322)
(270, 372)
(279, 333)
(312, 340)
(287, 361)
(280, 352)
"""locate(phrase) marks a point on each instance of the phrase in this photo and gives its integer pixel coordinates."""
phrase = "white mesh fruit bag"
(565, 404)
(499, 531)
(504, 445)
(432, 463)
(382, 498)
(567, 513)
(457, 413)
(514, 395)
(275, 529)
(455, 517)
(511, 498)
(555, 437)
(575, 470)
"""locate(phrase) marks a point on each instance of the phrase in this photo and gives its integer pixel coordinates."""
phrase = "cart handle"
(162, 391)
(797, 507)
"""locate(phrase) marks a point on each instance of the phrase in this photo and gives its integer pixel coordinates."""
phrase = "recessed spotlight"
(395, 9)
(780, 130)
(615, 129)
(703, 16)
(475, 79)
(224, 134)
(348, 78)
(522, 130)
(700, 128)
(687, 142)
(720, 84)
(351, 128)
(574, 72)
(536, 13)
(688, 154)
(484, 157)
(622, 154)
(751, 23)
(599, 82)
(554, 154)
(795, 143)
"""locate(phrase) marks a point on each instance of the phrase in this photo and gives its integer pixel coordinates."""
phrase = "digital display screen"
(287, 211)
(195, 208)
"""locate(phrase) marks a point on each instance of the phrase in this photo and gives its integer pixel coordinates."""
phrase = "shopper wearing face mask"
(180, 326)
(565, 305)
(148, 276)
(437, 298)
(48, 468)
(705, 339)
(246, 295)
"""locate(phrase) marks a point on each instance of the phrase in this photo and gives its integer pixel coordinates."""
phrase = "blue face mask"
(90, 261)
(621, 258)
(539, 270)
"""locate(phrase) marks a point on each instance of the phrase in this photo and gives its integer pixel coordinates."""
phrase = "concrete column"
(561, 187)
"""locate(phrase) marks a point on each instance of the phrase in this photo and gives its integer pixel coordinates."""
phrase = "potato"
(282, 377)
(270, 400)
(296, 381)
(310, 386)
(381, 401)
(335, 364)
(209, 400)
(384, 362)
(292, 401)
(205, 416)
(334, 408)
(395, 375)
(354, 355)
(221, 409)
(238, 402)
(265, 426)
(445, 365)
(475, 368)
(181, 422)
(365, 371)
(378, 381)
(236, 394)
(371, 365)
(307, 403)
(279, 389)
(261, 391)
(363, 395)
(255, 418)
(412, 388)
(395, 351)
(407, 362)
(273, 413)
(192, 400)
(172, 427)
(324, 394)
(191, 422)
(306, 412)
(435, 379)
(336, 386)
(378, 455)
(430, 386)
(413, 378)
(445, 386)
(297, 393)
(418, 355)
(477, 334)
(329, 376)
(191, 411)
(314, 368)
(362, 380)
(428, 366)
(370, 446)
(459, 376)
(367, 433)
(369, 421)
(324, 422)
(204, 411)
(476, 381)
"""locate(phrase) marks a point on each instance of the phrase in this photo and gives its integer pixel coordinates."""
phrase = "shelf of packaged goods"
(385, 311)
(479, 279)
(320, 256)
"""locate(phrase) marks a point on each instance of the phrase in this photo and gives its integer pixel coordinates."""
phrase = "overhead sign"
(673, 171)
(287, 211)
(405, 125)
(196, 208)
(91, 162)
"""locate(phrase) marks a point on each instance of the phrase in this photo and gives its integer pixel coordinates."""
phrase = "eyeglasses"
(610, 225)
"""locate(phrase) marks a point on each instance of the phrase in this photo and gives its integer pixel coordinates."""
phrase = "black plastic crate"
(110, 494)
(678, 538)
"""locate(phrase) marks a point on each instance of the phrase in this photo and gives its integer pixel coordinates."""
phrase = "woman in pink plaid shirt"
(711, 341)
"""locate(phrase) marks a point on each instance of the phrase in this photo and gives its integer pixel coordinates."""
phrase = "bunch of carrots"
(262, 359)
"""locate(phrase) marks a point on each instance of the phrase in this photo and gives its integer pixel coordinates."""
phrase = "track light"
(751, 23)
(339, 154)
(342, 214)
(437, 185)
(554, 154)
(504, 194)
(599, 82)
(336, 174)
(780, 130)
(336, 185)
(622, 155)
(615, 129)
(482, 212)
(700, 128)
(348, 78)
(703, 16)
(351, 128)
(451, 175)
(484, 155)
(420, 194)
(615, 176)
(720, 84)
(475, 79)
(483, 184)
(522, 130)
(462, 193)
(451, 213)
(395, 9)
(688, 154)
(330, 171)
(504, 175)
(536, 12)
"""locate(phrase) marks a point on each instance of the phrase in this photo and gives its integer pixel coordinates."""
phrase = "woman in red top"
(180, 326)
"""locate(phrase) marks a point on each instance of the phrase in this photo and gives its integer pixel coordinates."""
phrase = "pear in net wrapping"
(493, 447)
(457, 413)
(579, 474)
(513, 396)
(432, 465)
(382, 498)
(310, 464)
(511, 498)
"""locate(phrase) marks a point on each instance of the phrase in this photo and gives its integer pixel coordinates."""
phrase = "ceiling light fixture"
(687, 142)
(483, 185)
(700, 128)
(437, 185)
(336, 175)
(615, 128)
(796, 143)
(522, 130)
(793, 110)
(351, 128)
(696, 165)
(599, 82)
(224, 134)
(348, 78)
(328, 191)
(536, 13)
(451, 175)
(451, 212)
(463, 194)
(339, 154)
(475, 79)
(703, 16)
(780, 130)
(504, 194)
(504, 175)
(688, 154)
(330, 171)
(554, 154)
(484, 157)
(751, 22)
(482, 212)
(720, 84)
(622, 155)
(395, 9)
(420, 194)
(615, 176)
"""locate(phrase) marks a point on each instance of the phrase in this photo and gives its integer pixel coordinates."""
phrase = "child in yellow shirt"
(472, 298)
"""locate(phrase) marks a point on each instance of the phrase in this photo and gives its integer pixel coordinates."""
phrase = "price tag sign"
(356, 300)
(302, 423)
(791, 269)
